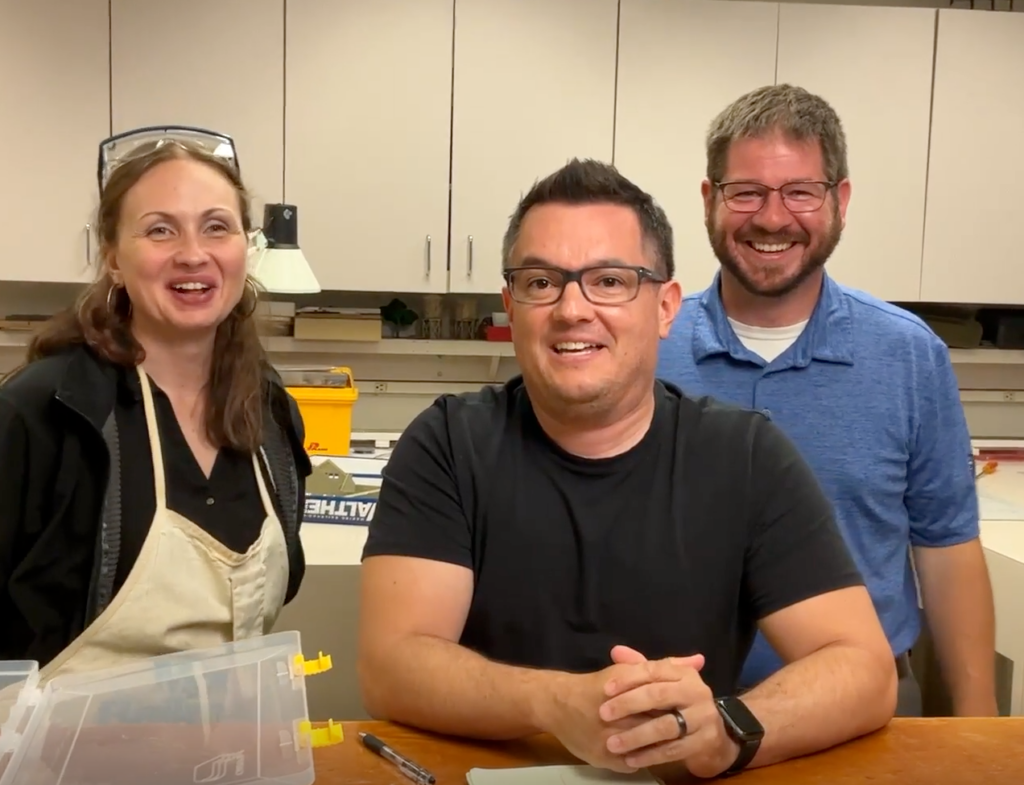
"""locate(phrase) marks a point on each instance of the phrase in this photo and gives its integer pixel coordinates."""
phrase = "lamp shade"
(280, 266)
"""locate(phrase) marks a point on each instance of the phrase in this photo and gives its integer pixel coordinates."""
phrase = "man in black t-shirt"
(588, 552)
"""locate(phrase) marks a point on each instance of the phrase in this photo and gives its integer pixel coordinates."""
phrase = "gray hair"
(791, 111)
(595, 182)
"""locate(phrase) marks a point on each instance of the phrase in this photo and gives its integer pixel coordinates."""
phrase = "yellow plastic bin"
(327, 412)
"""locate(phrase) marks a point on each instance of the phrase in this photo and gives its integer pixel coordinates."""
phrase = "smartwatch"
(743, 728)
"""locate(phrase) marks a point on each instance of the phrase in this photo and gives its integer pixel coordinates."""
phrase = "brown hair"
(792, 111)
(101, 317)
(595, 182)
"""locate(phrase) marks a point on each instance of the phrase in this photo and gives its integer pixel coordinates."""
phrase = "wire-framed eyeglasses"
(601, 284)
(798, 197)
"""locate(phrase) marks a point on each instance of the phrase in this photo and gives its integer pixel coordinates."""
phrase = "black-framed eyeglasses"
(798, 197)
(600, 284)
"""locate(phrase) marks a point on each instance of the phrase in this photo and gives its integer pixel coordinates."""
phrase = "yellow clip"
(313, 667)
(321, 737)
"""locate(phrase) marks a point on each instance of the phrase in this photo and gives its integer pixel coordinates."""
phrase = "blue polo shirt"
(868, 395)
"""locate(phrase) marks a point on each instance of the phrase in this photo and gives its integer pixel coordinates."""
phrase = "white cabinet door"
(217, 65)
(54, 112)
(368, 137)
(874, 66)
(534, 87)
(971, 243)
(680, 64)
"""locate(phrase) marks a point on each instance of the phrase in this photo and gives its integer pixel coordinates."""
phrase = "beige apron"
(186, 590)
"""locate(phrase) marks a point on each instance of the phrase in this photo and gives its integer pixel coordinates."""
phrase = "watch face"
(744, 724)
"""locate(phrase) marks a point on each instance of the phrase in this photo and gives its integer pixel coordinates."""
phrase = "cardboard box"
(343, 490)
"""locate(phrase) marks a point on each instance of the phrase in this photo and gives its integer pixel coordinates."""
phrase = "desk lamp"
(278, 262)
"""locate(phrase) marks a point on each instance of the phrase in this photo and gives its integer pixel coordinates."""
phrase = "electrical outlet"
(1009, 395)
(380, 387)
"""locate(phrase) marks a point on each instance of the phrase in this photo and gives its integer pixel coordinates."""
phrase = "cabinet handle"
(469, 272)
(428, 256)
(88, 245)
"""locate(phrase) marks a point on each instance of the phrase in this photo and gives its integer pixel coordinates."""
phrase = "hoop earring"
(251, 284)
(112, 298)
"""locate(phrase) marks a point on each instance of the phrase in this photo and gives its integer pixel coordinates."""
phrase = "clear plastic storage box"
(233, 715)
(18, 695)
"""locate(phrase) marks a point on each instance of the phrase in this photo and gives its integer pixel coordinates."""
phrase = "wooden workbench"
(908, 752)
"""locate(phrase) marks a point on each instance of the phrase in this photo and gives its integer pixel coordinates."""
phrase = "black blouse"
(227, 505)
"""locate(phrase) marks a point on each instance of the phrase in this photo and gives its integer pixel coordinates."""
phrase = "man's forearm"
(965, 649)
(440, 686)
(958, 605)
(836, 694)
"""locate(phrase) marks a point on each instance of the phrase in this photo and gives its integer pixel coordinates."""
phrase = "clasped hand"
(621, 718)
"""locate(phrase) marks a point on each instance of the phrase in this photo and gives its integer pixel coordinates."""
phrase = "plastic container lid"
(335, 377)
(19, 694)
(232, 715)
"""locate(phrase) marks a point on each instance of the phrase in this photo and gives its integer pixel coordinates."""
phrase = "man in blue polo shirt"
(864, 389)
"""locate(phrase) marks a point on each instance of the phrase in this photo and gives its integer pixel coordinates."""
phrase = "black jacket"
(60, 490)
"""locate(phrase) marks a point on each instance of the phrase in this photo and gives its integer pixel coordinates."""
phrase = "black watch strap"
(743, 728)
(747, 752)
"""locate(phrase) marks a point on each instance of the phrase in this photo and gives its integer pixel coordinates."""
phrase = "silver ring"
(680, 721)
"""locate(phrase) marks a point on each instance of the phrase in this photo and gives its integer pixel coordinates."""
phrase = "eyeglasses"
(802, 197)
(601, 285)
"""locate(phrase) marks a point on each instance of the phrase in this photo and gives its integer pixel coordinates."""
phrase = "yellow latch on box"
(327, 411)
(321, 737)
(308, 735)
(304, 667)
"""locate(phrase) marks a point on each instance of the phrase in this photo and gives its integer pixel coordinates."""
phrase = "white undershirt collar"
(767, 342)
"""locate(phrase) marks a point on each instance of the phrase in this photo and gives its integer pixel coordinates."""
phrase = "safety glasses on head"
(117, 149)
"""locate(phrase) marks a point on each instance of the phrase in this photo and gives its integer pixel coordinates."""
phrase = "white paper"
(557, 775)
(994, 508)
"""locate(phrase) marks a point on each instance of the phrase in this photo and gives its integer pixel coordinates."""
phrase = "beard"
(775, 279)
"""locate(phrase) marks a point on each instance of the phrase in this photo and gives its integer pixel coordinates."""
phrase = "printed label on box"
(343, 490)
(357, 511)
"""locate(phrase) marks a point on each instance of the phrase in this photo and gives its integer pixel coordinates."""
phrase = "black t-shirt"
(676, 547)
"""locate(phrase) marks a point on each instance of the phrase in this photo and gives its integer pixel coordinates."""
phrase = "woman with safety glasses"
(153, 464)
